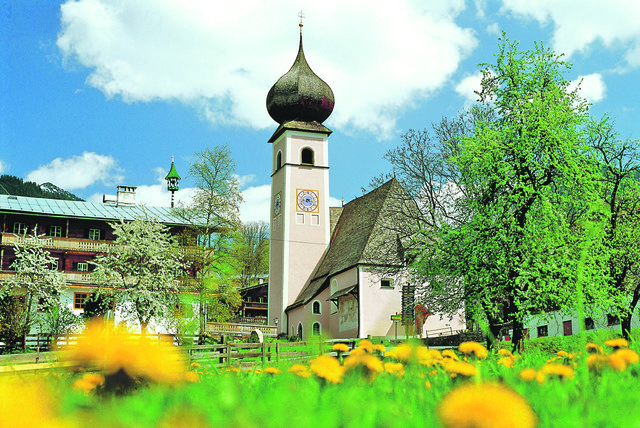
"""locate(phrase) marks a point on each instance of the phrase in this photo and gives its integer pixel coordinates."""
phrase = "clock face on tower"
(307, 200)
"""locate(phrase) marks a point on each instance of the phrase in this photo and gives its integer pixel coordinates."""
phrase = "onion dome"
(300, 94)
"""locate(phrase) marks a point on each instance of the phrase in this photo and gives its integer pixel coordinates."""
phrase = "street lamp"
(275, 320)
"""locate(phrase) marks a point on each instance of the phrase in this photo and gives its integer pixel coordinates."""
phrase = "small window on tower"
(279, 161)
(307, 156)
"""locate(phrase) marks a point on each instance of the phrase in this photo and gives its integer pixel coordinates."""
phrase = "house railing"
(61, 243)
(237, 329)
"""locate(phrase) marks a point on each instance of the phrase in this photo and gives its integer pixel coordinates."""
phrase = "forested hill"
(11, 185)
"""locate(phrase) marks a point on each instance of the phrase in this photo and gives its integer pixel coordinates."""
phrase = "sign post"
(396, 319)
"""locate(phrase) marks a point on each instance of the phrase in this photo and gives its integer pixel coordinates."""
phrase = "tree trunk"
(625, 325)
(517, 344)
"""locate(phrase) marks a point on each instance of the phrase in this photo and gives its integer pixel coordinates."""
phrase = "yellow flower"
(195, 365)
(402, 352)
(340, 347)
(27, 402)
(371, 364)
(461, 368)
(474, 348)
(396, 369)
(300, 370)
(88, 382)
(528, 374)
(327, 368)
(565, 354)
(191, 377)
(485, 405)
(596, 362)
(617, 343)
(272, 370)
(379, 347)
(427, 384)
(593, 348)
(560, 370)
(366, 345)
(448, 353)
(507, 361)
(504, 352)
(628, 355)
(616, 362)
(427, 357)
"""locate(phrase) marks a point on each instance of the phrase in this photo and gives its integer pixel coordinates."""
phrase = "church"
(335, 271)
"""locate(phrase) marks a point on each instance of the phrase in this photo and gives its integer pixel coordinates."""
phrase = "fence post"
(278, 353)
(228, 354)
(264, 351)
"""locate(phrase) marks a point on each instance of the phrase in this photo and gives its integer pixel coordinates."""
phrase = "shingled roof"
(357, 238)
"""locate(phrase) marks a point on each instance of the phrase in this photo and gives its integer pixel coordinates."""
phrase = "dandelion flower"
(628, 355)
(593, 348)
(327, 368)
(474, 348)
(507, 361)
(427, 357)
(616, 362)
(528, 374)
(192, 377)
(27, 403)
(402, 352)
(340, 347)
(596, 362)
(300, 370)
(379, 347)
(617, 343)
(370, 363)
(272, 370)
(565, 354)
(427, 384)
(560, 370)
(366, 345)
(461, 368)
(88, 382)
(396, 369)
(448, 353)
(485, 405)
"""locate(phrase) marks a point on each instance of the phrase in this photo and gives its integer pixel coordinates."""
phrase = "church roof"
(361, 236)
(300, 95)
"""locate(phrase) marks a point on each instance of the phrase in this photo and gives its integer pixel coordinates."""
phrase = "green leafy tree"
(250, 252)
(140, 271)
(213, 214)
(619, 161)
(505, 193)
(36, 283)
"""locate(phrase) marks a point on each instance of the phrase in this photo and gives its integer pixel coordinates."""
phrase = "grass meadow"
(578, 381)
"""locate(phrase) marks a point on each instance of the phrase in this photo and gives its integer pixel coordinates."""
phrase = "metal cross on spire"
(301, 16)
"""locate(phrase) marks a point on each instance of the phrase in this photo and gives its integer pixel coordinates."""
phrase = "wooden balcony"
(88, 245)
(83, 278)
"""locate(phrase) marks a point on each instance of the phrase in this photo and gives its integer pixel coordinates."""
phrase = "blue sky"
(96, 93)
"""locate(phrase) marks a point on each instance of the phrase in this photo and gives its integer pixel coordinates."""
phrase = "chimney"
(126, 195)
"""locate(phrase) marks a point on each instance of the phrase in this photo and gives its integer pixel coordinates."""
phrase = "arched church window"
(279, 161)
(315, 307)
(300, 331)
(306, 157)
(315, 329)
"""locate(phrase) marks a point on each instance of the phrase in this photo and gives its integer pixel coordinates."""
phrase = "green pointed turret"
(172, 180)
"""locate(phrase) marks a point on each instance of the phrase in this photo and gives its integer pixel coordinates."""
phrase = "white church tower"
(299, 101)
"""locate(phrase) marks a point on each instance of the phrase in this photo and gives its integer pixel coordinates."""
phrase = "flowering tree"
(36, 280)
(140, 271)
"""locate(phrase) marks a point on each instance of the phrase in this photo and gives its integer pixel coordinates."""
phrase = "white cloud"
(256, 204)
(467, 87)
(4, 167)
(592, 87)
(78, 172)
(580, 23)
(222, 60)
(493, 29)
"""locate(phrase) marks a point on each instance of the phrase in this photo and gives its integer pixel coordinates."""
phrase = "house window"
(55, 264)
(248, 299)
(315, 307)
(386, 283)
(306, 156)
(299, 218)
(612, 320)
(20, 228)
(94, 234)
(79, 300)
(82, 267)
(260, 300)
(543, 331)
(589, 324)
(315, 329)
(55, 231)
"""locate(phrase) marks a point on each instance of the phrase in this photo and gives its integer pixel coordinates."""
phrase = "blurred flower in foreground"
(461, 368)
(88, 382)
(28, 403)
(396, 369)
(327, 368)
(485, 405)
(127, 359)
(617, 343)
(370, 364)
